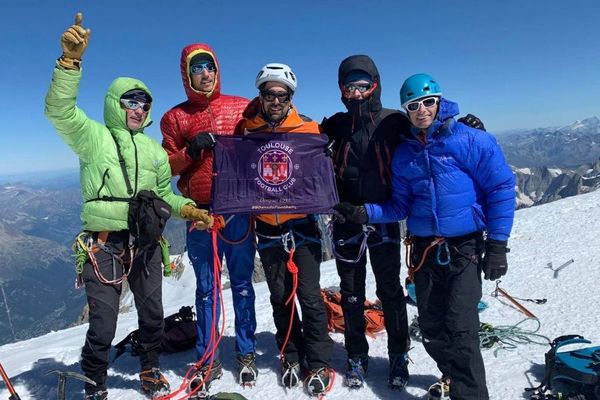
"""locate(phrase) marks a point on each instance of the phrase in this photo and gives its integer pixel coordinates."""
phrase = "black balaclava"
(366, 64)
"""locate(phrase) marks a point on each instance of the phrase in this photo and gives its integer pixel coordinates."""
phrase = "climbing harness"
(85, 248)
(243, 238)
(441, 258)
(360, 238)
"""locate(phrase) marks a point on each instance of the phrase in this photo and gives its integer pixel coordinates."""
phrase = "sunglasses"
(427, 103)
(134, 105)
(269, 95)
(196, 69)
(361, 87)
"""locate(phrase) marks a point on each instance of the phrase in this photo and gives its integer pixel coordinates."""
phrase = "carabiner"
(287, 238)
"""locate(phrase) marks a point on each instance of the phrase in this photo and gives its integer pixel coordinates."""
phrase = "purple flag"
(263, 173)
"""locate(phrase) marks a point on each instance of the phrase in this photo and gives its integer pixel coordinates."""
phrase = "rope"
(509, 336)
(292, 269)
(214, 340)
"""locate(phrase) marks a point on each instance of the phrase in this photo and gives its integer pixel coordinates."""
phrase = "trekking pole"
(512, 300)
(11, 389)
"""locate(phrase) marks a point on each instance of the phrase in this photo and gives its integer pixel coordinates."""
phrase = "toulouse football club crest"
(275, 167)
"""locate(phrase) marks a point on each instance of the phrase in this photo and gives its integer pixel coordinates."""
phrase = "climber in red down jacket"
(189, 131)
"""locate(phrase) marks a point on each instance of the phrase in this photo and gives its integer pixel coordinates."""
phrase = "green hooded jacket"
(100, 172)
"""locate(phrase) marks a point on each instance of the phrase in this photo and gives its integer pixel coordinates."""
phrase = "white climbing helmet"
(275, 72)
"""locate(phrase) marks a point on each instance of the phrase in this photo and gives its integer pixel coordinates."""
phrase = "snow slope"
(555, 232)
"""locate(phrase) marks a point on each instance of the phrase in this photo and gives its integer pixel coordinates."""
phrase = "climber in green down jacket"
(106, 186)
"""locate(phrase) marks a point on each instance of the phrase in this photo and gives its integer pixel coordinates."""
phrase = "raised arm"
(75, 128)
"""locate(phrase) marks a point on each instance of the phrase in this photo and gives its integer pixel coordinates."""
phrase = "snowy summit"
(552, 233)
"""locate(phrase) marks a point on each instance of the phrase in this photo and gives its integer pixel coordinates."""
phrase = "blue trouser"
(240, 263)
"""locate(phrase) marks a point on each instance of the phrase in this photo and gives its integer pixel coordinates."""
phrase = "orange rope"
(293, 269)
(213, 341)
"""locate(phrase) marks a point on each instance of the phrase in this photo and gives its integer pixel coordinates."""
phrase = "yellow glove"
(73, 42)
(200, 216)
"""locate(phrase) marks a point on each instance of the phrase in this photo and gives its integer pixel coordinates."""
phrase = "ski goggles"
(416, 105)
(198, 68)
(134, 105)
(361, 87)
(269, 95)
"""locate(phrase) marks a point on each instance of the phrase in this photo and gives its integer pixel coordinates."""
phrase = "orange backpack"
(335, 316)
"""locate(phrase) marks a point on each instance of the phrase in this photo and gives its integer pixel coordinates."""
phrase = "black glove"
(349, 212)
(494, 260)
(472, 121)
(329, 149)
(202, 141)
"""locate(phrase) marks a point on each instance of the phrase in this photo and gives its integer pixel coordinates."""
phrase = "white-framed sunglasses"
(131, 104)
(427, 102)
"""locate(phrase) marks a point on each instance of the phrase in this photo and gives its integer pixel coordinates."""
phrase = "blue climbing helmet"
(418, 86)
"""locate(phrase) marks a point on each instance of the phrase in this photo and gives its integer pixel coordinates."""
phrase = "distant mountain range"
(39, 218)
(38, 223)
(568, 147)
(541, 185)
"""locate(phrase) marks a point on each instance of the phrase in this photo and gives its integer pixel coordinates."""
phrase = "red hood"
(193, 95)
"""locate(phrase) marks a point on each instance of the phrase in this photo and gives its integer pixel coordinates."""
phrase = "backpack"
(147, 218)
(335, 317)
(180, 334)
(571, 373)
(148, 212)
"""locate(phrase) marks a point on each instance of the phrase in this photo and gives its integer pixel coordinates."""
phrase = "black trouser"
(447, 298)
(384, 254)
(309, 338)
(145, 282)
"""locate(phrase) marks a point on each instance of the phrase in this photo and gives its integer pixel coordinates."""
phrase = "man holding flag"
(289, 244)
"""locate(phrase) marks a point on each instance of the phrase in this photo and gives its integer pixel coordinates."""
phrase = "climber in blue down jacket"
(453, 185)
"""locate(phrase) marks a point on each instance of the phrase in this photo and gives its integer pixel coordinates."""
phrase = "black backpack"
(180, 334)
(148, 213)
(147, 218)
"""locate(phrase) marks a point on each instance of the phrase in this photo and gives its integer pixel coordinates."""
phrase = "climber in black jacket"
(363, 141)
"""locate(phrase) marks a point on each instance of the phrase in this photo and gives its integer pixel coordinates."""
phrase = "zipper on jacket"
(433, 192)
(213, 123)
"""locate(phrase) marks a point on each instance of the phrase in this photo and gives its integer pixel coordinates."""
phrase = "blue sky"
(516, 64)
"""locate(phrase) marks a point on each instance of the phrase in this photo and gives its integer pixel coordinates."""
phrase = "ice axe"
(62, 381)
(11, 389)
